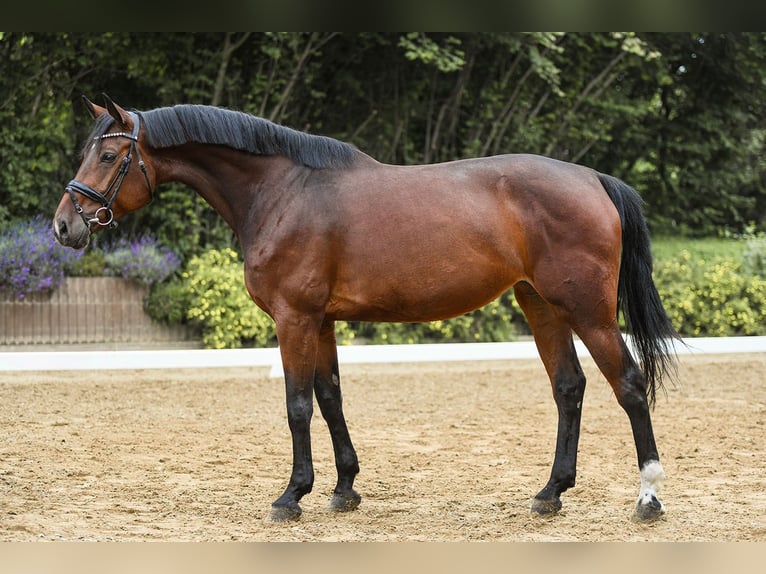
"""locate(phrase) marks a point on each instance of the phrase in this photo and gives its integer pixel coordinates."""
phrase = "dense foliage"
(678, 115)
(30, 259)
(705, 296)
(219, 303)
(142, 260)
(712, 298)
(210, 294)
(716, 290)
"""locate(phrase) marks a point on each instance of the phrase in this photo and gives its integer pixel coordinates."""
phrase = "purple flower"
(141, 259)
(30, 258)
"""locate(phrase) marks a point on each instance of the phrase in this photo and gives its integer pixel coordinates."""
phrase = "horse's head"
(112, 181)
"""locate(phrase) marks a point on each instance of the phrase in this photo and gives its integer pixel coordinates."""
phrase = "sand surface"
(448, 452)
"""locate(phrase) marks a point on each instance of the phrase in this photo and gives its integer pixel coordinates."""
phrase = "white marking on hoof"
(652, 476)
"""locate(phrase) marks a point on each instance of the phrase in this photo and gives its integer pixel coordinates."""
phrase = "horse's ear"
(120, 116)
(92, 108)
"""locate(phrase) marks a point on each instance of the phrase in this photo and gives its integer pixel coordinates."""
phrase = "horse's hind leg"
(553, 338)
(330, 401)
(611, 354)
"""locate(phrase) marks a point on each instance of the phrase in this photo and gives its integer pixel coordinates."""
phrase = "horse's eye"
(108, 157)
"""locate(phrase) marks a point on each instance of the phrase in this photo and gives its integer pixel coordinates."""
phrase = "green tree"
(703, 167)
(678, 115)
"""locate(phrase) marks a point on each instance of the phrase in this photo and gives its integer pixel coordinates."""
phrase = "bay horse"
(328, 233)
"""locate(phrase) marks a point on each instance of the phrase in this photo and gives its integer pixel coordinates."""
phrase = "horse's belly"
(427, 295)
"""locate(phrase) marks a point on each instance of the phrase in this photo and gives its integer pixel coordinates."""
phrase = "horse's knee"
(631, 393)
(300, 410)
(568, 390)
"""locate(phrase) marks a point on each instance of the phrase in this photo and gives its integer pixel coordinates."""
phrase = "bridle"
(105, 199)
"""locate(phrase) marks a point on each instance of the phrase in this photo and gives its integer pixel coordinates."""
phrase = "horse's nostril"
(60, 229)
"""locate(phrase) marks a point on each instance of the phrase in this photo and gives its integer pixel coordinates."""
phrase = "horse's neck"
(232, 182)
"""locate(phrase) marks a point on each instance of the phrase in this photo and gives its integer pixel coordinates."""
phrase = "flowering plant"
(141, 259)
(31, 260)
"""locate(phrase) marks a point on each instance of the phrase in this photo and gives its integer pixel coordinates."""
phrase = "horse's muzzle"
(71, 231)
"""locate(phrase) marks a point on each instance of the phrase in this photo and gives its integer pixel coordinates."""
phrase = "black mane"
(186, 123)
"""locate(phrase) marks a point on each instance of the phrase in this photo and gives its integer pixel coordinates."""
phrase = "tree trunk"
(229, 48)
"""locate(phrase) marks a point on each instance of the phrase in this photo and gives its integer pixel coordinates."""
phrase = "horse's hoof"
(284, 513)
(345, 502)
(547, 507)
(648, 509)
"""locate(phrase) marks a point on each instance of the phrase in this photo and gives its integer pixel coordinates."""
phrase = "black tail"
(637, 296)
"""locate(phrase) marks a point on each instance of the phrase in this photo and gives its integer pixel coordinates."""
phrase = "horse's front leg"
(298, 339)
(329, 398)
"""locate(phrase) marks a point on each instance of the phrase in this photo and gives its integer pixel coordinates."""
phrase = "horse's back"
(432, 241)
(504, 203)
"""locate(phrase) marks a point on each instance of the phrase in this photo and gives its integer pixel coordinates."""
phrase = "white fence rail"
(207, 358)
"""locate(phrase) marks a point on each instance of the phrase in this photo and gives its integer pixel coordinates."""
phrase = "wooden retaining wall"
(84, 310)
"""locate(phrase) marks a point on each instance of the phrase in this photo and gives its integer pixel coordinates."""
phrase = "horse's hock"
(84, 310)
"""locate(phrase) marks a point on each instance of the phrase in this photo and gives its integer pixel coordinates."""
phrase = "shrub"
(497, 321)
(91, 264)
(714, 298)
(704, 296)
(31, 261)
(142, 260)
(169, 302)
(212, 292)
(220, 304)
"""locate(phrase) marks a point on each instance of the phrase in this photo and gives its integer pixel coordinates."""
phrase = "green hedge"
(219, 302)
(211, 295)
(704, 296)
(500, 320)
(712, 298)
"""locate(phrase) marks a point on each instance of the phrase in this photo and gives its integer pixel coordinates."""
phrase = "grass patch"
(664, 248)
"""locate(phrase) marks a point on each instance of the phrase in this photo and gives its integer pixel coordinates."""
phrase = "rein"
(106, 201)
